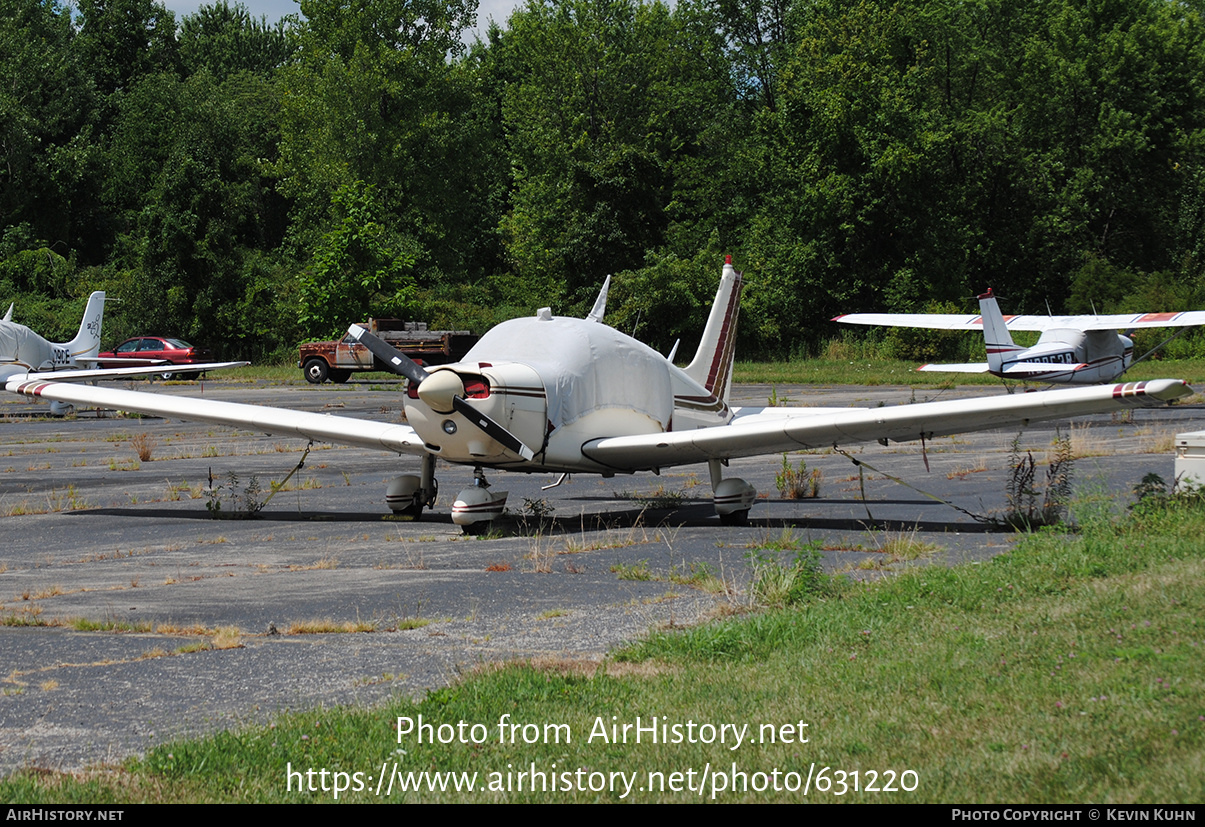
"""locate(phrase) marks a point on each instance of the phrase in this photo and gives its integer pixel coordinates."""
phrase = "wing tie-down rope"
(862, 485)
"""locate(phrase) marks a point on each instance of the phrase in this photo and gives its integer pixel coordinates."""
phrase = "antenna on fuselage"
(8, 317)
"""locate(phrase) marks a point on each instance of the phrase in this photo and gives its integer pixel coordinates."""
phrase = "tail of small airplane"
(600, 304)
(996, 338)
(86, 344)
(712, 365)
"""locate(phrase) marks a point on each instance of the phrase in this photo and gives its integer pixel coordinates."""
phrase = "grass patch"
(1064, 671)
(633, 571)
(328, 626)
(904, 546)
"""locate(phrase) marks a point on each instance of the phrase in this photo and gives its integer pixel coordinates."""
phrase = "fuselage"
(22, 351)
(1075, 357)
(557, 383)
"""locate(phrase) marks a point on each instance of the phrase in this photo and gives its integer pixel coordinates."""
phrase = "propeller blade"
(491, 428)
(394, 359)
(403, 365)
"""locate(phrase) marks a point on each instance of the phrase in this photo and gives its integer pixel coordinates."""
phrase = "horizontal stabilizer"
(1030, 368)
(965, 367)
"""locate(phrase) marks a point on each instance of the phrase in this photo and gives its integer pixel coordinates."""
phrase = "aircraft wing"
(72, 375)
(953, 321)
(778, 430)
(364, 433)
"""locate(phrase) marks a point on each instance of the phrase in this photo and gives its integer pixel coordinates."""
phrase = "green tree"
(225, 39)
(186, 172)
(375, 97)
(48, 169)
(359, 269)
(604, 113)
(123, 40)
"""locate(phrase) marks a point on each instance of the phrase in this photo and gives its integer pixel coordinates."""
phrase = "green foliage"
(123, 40)
(665, 301)
(775, 584)
(224, 39)
(915, 345)
(359, 269)
(851, 156)
(600, 114)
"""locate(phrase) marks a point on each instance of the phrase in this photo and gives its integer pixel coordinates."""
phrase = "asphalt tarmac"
(93, 537)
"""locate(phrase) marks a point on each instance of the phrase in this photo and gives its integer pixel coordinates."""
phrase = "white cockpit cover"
(585, 366)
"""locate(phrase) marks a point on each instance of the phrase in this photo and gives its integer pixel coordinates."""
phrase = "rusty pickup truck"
(337, 360)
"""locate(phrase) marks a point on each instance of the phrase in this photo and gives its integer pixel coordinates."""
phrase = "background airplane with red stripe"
(1075, 350)
(549, 394)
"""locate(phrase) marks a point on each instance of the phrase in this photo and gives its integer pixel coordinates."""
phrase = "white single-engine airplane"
(1072, 350)
(561, 395)
(26, 355)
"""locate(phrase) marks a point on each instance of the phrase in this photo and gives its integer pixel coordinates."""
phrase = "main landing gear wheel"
(408, 494)
(733, 496)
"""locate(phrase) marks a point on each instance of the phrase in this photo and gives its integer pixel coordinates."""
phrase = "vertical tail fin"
(712, 365)
(996, 338)
(600, 304)
(86, 343)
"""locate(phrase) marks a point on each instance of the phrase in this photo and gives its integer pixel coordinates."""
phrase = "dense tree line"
(246, 185)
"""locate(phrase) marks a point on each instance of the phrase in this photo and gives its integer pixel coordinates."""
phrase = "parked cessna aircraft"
(25, 355)
(1074, 350)
(560, 395)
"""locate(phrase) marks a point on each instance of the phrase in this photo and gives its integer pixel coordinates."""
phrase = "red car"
(146, 350)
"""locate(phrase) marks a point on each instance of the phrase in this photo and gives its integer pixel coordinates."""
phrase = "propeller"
(443, 391)
(393, 358)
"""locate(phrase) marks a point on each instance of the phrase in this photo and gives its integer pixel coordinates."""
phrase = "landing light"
(449, 427)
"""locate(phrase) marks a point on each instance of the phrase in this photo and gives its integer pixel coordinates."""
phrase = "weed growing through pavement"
(633, 571)
(904, 546)
(535, 516)
(797, 483)
(143, 445)
(1023, 509)
(240, 503)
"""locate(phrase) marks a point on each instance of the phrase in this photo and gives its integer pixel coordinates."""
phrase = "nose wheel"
(477, 506)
